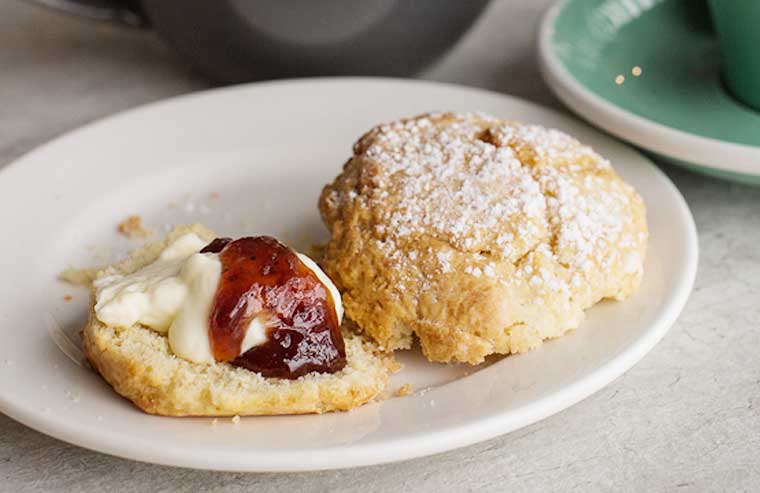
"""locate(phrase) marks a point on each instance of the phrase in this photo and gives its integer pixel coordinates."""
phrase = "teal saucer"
(648, 71)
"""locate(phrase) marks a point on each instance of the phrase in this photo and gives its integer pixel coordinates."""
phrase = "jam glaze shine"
(261, 277)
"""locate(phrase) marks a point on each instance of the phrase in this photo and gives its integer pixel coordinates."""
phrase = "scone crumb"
(67, 297)
(214, 195)
(405, 389)
(316, 251)
(214, 422)
(132, 227)
(235, 419)
(393, 365)
(79, 277)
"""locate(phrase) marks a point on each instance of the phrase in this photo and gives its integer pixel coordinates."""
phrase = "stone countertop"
(686, 418)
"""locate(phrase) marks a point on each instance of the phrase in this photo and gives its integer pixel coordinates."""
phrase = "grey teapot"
(241, 40)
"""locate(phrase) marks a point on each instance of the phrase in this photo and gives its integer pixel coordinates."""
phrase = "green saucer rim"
(697, 152)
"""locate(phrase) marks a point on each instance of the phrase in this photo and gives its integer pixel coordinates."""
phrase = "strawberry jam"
(261, 277)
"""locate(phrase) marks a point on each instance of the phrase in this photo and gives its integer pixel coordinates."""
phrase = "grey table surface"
(686, 418)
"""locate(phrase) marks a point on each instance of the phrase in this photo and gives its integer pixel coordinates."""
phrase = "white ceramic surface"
(267, 149)
(673, 143)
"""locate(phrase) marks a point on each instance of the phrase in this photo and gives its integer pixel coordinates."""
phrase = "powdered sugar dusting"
(447, 182)
(497, 191)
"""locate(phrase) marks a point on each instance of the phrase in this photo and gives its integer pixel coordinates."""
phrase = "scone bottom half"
(139, 363)
(477, 235)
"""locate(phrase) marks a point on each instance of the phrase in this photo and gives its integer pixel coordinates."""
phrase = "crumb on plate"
(132, 227)
(405, 389)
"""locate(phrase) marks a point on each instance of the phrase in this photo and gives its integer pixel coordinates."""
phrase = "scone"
(478, 235)
(140, 365)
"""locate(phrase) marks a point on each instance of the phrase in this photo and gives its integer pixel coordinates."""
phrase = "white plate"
(267, 149)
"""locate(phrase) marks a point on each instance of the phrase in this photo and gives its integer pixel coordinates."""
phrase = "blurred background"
(58, 71)
(233, 41)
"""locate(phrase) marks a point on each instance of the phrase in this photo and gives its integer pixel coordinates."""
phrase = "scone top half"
(478, 235)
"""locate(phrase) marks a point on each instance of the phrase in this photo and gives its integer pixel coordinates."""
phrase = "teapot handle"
(126, 12)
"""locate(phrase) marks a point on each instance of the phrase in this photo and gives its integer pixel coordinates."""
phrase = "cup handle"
(120, 11)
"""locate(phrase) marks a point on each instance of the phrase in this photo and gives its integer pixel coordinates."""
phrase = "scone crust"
(478, 235)
(139, 365)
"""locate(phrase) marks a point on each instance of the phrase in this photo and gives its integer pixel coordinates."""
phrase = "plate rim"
(399, 449)
(635, 129)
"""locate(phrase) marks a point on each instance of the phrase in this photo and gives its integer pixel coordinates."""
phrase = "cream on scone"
(174, 295)
(162, 331)
(478, 235)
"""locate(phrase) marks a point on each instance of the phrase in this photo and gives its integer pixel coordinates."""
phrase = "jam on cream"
(252, 302)
(261, 277)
